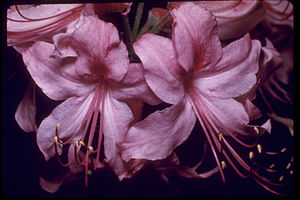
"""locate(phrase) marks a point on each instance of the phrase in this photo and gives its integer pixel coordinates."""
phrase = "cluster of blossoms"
(198, 59)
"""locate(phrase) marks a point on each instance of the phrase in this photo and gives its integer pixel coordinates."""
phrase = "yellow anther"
(220, 137)
(76, 144)
(259, 148)
(223, 164)
(256, 129)
(292, 159)
(82, 143)
(288, 165)
(91, 149)
(55, 139)
(89, 172)
(57, 127)
(272, 166)
(281, 178)
(283, 150)
(251, 155)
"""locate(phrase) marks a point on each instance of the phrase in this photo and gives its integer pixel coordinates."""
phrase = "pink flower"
(201, 79)
(280, 12)
(234, 18)
(89, 69)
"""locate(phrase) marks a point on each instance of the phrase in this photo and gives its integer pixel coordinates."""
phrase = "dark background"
(23, 163)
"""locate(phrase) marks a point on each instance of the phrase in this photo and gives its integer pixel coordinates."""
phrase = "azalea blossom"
(89, 70)
(201, 79)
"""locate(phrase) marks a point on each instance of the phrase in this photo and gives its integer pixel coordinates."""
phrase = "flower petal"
(26, 111)
(195, 37)
(160, 133)
(70, 114)
(227, 114)
(162, 72)
(133, 88)
(235, 74)
(56, 77)
(117, 117)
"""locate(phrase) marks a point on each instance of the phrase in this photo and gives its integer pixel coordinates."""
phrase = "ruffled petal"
(98, 48)
(162, 72)
(133, 88)
(195, 37)
(117, 117)
(26, 111)
(235, 74)
(160, 133)
(55, 76)
(70, 114)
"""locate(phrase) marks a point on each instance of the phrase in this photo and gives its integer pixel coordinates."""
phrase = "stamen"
(82, 143)
(251, 155)
(281, 178)
(89, 172)
(256, 130)
(91, 149)
(283, 150)
(288, 165)
(220, 137)
(76, 144)
(223, 163)
(55, 139)
(259, 148)
(272, 166)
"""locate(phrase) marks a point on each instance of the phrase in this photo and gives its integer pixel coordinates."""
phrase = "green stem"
(158, 26)
(137, 20)
(128, 37)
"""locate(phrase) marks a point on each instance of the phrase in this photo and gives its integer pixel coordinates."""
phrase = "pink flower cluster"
(204, 65)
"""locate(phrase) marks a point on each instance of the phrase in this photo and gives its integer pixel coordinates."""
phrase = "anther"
(281, 178)
(82, 143)
(256, 129)
(76, 144)
(288, 165)
(55, 139)
(272, 166)
(89, 172)
(251, 155)
(259, 148)
(91, 149)
(220, 137)
(292, 159)
(57, 127)
(283, 150)
(223, 164)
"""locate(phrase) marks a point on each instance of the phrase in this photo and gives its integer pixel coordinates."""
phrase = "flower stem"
(137, 20)
(157, 27)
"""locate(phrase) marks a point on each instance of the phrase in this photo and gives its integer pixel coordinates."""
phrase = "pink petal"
(227, 114)
(235, 74)
(117, 117)
(54, 17)
(195, 37)
(98, 48)
(70, 115)
(252, 110)
(133, 88)
(162, 72)
(160, 133)
(56, 77)
(26, 111)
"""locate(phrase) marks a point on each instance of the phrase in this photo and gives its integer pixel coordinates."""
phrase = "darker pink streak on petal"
(160, 133)
(162, 72)
(117, 117)
(195, 37)
(98, 48)
(133, 88)
(70, 115)
(26, 111)
(56, 77)
(235, 74)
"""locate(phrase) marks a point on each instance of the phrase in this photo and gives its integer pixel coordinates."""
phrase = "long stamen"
(208, 137)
